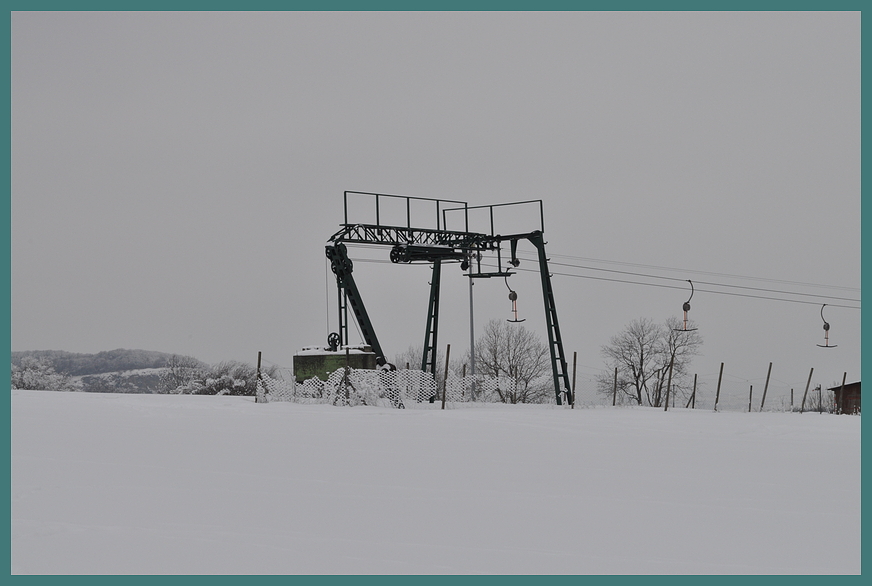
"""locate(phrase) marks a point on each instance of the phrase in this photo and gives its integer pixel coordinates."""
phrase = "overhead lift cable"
(732, 294)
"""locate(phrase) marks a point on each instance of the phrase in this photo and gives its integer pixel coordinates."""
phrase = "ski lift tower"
(416, 230)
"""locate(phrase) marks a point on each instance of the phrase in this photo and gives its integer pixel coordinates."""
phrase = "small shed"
(847, 398)
(319, 362)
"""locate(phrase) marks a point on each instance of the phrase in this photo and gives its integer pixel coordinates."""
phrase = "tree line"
(644, 360)
(176, 374)
(78, 364)
(648, 357)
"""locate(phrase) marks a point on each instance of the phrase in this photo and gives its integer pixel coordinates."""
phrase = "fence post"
(750, 397)
(692, 401)
(574, 362)
(259, 382)
(445, 378)
(802, 408)
(718, 392)
(345, 377)
(765, 387)
(820, 399)
(841, 394)
(615, 391)
(668, 385)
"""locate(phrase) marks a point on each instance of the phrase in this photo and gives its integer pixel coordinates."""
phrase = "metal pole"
(765, 387)
(471, 338)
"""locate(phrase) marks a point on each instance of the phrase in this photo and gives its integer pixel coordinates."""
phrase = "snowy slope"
(129, 484)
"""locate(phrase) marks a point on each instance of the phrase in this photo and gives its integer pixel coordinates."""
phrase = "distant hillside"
(145, 380)
(102, 362)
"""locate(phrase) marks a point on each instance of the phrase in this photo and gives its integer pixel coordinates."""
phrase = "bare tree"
(646, 354)
(513, 350)
(414, 354)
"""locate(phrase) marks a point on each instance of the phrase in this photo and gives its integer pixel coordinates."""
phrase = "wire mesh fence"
(387, 388)
(415, 389)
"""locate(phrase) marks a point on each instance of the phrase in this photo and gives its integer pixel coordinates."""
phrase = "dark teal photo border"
(419, 5)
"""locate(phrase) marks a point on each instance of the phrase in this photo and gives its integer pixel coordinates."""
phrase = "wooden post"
(802, 407)
(820, 399)
(445, 378)
(765, 387)
(791, 399)
(692, 401)
(574, 358)
(693, 396)
(718, 392)
(259, 382)
(345, 376)
(750, 398)
(615, 391)
(668, 385)
(841, 394)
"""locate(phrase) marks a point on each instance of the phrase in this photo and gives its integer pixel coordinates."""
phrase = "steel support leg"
(555, 342)
(342, 268)
(428, 361)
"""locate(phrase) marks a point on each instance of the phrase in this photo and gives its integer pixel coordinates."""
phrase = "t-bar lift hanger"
(826, 343)
(686, 308)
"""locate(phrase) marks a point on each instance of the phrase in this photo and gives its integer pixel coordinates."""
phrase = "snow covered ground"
(135, 484)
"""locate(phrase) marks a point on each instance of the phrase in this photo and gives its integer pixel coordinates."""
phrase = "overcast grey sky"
(175, 176)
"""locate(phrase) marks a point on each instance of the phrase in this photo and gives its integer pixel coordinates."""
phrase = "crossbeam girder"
(397, 235)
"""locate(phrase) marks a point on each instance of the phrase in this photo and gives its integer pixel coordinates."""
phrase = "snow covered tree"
(643, 353)
(179, 372)
(39, 374)
(225, 378)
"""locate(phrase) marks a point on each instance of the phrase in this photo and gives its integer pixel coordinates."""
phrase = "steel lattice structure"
(435, 245)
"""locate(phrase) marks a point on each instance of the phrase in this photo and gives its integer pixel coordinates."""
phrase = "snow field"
(175, 484)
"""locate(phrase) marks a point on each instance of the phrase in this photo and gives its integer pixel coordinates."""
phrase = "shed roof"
(847, 386)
